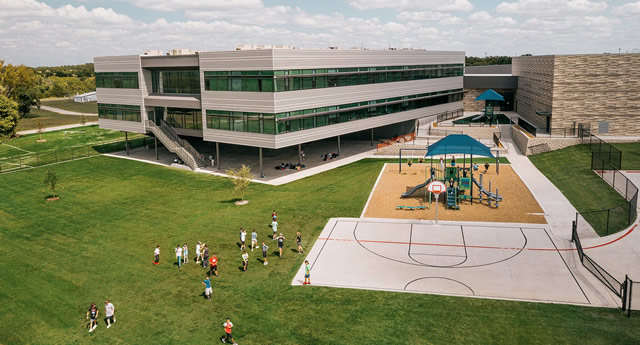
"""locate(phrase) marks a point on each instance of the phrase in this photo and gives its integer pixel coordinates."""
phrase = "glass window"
(236, 84)
(266, 85)
(308, 122)
(321, 82)
(268, 124)
(281, 84)
(250, 84)
(307, 83)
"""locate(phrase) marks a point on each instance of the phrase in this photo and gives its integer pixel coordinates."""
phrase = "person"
(213, 161)
(205, 256)
(475, 166)
(156, 253)
(227, 332)
(109, 312)
(299, 242)
(254, 239)
(207, 287)
(464, 172)
(451, 183)
(280, 243)
(198, 253)
(179, 255)
(264, 253)
(213, 265)
(302, 154)
(307, 273)
(185, 253)
(274, 216)
(243, 238)
(92, 315)
(274, 227)
(453, 161)
(245, 260)
(486, 167)
(433, 173)
(441, 164)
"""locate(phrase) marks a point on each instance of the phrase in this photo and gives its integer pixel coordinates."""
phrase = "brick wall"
(535, 87)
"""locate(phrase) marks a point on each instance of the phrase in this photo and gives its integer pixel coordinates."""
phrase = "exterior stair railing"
(172, 141)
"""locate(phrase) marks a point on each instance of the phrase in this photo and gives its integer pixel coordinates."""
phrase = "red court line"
(479, 247)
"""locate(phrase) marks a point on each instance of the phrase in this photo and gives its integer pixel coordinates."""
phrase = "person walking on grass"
(299, 242)
(228, 336)
(274, 227)
(245, 260)
(205, 256)
(254, 239)
(274, 216)
(280, 243)
(207, 287)
(307, 273)
(185, 253)
(92, 315)
(213, 265)
(198, 253)
(109, 312)
(243, 238)
(179, 256)
(264, 253)
(156, 254)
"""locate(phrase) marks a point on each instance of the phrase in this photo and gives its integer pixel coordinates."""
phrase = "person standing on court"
(109, 311)
(156, 254)
(307, 273)
(280, 243)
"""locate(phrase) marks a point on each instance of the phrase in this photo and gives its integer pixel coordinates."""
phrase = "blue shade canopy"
(458, 144)
(490, 95)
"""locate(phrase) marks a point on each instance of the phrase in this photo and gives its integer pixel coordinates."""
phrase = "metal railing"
(174, 143)
(184, 143)
(604, 150)
(450, 115)
(441, 132)
(557, 133)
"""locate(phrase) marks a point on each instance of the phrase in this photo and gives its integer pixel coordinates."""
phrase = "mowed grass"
(570, 170)
(70, 105)
(49, 119)
(630, 155)
(97, 242)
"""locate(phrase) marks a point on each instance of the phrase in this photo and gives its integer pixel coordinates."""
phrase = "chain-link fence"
(36, 159)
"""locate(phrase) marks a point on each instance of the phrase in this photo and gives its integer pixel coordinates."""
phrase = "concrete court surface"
(488, 260)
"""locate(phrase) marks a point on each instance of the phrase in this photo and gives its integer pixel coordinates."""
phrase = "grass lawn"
(97, 242)
(630, 155)
(70, 105)
(570, 170)
(49, 119)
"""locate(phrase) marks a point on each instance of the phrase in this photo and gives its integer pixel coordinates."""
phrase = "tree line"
(22, 88)
(489, 60)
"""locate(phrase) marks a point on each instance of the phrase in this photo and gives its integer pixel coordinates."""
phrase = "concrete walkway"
(57, 128)
(65, 112)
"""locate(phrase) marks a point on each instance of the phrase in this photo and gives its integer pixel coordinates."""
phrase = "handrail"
(174, 145)
(185, 144)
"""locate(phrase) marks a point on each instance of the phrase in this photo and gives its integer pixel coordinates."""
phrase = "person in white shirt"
(274, 227)
(109, 312)
(243, 238)
(254, 239)
(179, 255)
(156, 253)
(245, 260)
(198, 253)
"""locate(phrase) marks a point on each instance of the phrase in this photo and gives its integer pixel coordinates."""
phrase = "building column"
(156, 141)
(299, 154)
(217, 155)
(371, 136)
(338, 144)
(126, 142)
(260, 154)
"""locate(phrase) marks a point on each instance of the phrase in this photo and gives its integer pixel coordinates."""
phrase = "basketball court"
(488, 260)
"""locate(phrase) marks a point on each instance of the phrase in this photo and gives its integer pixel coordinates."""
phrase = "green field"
(49, 119)
(570, 170)
(97, 242)
(630, 155)
(70, 105)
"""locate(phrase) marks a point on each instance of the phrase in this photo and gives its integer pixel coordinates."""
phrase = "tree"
(83, 120)
(14, 78)
(8, 117)
(241, 179)
(50, 181)
(26, 99)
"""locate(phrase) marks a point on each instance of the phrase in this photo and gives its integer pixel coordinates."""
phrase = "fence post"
(623, 292)
(20, 161)
(629, 294)
(88, 154)
(72, 153)
(38, 158)
(56, 153)
(608, 211)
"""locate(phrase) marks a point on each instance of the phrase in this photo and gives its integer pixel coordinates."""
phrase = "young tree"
(50, 181)
(83, 120)
(241, 179)
(8, 116)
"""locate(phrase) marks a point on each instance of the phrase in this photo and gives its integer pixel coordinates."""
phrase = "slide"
(489, 195)
(414, 189)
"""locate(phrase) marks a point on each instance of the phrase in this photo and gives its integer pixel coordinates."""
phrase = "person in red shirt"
(213, 265)
(227, 332)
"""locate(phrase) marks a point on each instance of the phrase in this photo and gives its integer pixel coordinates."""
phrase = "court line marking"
(466, 255)
(324, 244)
(569, 269)
(473, 293)
(17, 148)
(372, 190)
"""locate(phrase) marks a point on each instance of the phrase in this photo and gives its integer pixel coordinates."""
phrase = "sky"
(59, 32)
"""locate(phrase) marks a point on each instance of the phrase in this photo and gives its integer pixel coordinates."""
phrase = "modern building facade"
(275, 98)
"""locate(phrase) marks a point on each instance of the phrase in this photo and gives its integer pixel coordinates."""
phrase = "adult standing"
(243, 238)
(205, 256)
(92, 315)
(156, 254)
(109, 312)
(280, 243)
(228, 335)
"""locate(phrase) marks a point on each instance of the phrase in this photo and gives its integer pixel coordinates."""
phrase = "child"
(274, 216)
(245, 260)
(307, 273)
(207, 287)
(486, 167)
(264, 253)
(198, 253)
(93, 313)
(205, 255)
(179, 255)
(156, 253)
(453, 161)
(243, 238)
(299, 242)
(254, 239)
(274, 226)
(185, 253)
(227, 332)
(280, 243)
(213, 263)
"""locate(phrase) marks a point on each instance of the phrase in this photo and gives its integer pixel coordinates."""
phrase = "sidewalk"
(57, 128)
(65, 112)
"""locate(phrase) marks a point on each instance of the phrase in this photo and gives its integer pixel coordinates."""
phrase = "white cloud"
(551, 8)
(199, 5)
(441, 18)
(432, 5)
(485, 18)
(627, 10)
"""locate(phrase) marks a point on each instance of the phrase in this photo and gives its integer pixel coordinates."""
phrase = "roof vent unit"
(153, 52)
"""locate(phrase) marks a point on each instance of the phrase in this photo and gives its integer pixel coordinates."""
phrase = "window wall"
(117, 80)
(184, 118)
(119, 112)
(292, 80)
(318, 117)
(180, 81)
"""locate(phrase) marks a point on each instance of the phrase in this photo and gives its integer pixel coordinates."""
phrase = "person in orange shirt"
(213, 265)
(227, 332)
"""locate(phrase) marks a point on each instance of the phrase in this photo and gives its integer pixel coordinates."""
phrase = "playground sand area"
(518, 204)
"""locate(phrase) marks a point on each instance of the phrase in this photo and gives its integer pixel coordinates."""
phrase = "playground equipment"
(491, 98)
(459, 187)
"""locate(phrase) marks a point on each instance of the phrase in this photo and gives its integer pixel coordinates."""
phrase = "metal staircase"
(172, 141)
